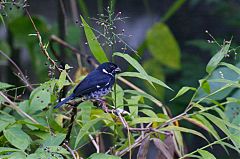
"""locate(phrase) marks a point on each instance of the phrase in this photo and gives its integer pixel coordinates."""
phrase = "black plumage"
(98, 83)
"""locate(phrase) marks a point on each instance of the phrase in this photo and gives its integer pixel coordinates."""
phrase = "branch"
(15, 107)
(70, 150)
(43, 48)
(20, 73)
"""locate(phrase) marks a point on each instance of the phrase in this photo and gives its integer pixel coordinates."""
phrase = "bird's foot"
(103, 105)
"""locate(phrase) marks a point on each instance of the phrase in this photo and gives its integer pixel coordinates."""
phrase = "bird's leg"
(103, 104)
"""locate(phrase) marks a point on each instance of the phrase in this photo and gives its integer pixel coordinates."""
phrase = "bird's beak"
(117, 70)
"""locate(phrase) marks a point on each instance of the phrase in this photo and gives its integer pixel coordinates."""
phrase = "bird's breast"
(98, 93)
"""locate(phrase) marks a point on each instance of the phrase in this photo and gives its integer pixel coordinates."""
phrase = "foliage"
(135, 117)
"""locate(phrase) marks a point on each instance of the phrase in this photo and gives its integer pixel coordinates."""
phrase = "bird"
(95, 85)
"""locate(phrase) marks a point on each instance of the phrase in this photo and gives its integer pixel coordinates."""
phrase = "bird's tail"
(64, 101)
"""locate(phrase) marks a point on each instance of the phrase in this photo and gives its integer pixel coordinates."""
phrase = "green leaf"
(145, 95)
(4, 150)
(135, 64)
(41, 97)
(84, 130)
(146, 120)
(119, 97)
(208, 125)
(138, 75)
(94, 45)
(205, 85)
(54, 140)
(216, 59)
(6, 120)
(233, 109)
(182, 91)
(149, 113)
(182, 129)
(58, 149)
(62, 79)
(102, 156)
(230, 66)
(14, 155)
(17, 137)
(133, 101)
(5, 85)
(206, 155)
(39, 100)
(174, 7)
(163, 46)
(86, 108)
(218, 122)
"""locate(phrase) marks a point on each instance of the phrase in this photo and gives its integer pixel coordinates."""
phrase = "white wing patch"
(98, 86)
(105, 71)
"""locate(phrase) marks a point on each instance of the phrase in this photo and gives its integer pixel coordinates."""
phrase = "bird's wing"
(94, 81)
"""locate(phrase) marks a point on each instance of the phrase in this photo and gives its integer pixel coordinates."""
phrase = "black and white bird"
(96, 84)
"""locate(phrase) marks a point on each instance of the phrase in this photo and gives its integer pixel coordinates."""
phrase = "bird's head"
(109, 68)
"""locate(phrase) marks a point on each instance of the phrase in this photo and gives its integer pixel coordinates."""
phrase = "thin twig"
(70, 150)
(43, 48)
(15, 107)
(22, 76)
(94, 143)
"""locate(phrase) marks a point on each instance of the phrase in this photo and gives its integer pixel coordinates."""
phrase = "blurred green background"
(169, 36)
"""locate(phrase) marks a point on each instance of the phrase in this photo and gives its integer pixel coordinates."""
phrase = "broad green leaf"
(39, 100)
(5, 120)
(84, 130)
(146, 120)
(85, 111)
(219, 78)
(102, 156)
(216, 59)
(50, 152)
(5, 85)
(53, 140)
(41, 96)
(17, 137)
(138, 75)
(135, 64)
(233, 109)
(94, 45)
(230, 66)
(133, 101)
(182, 129)
(58, 149)
(205, 154)
(182, 91)
(236, 121)
(163, 46)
